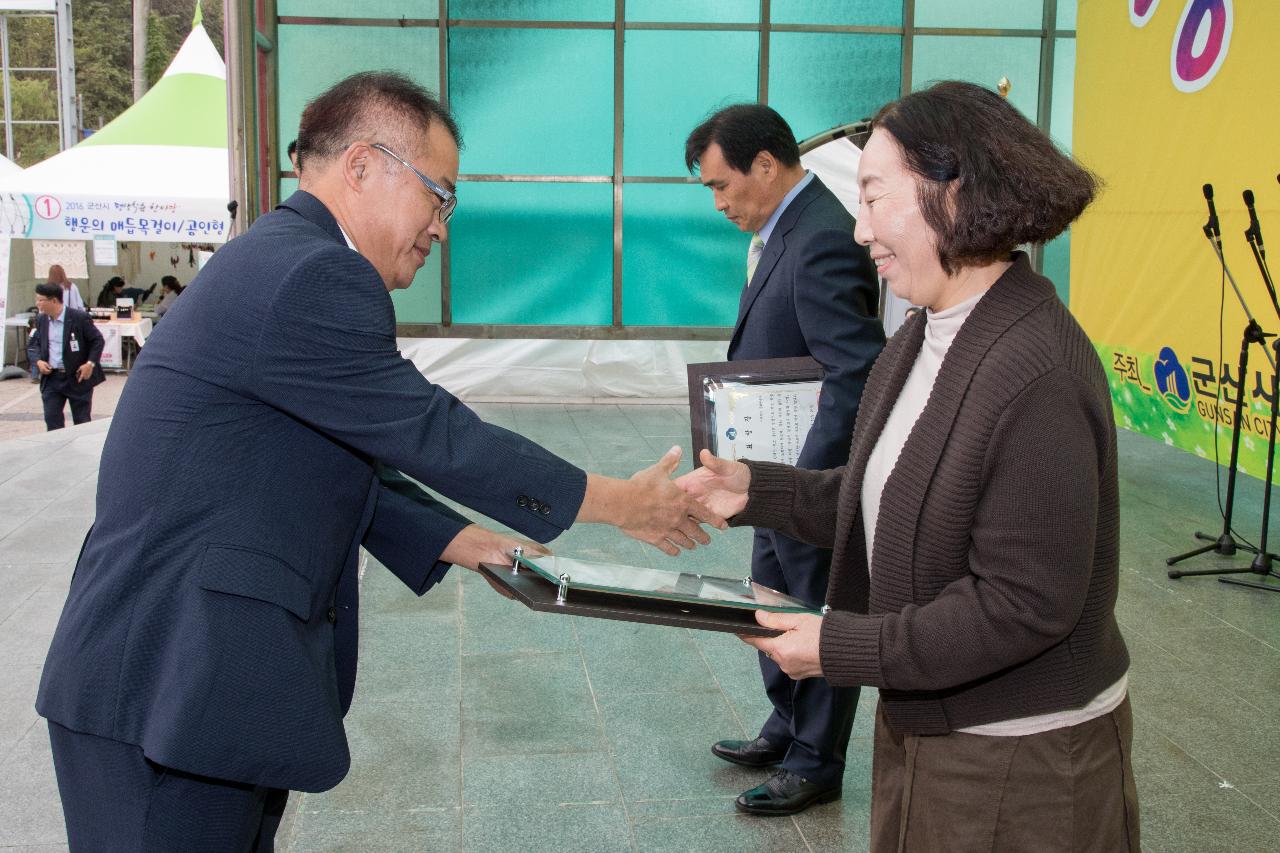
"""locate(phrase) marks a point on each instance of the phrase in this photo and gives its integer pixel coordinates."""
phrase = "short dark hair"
(990, 180)
(170, 282)
(115, 281)
(378, 106)
(49, 290)
(742, 131)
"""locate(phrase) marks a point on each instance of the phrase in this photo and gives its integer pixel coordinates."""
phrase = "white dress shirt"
(57, 328)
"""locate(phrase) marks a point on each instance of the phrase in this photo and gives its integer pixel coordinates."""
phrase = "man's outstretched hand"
(650, 507)
(475, 545)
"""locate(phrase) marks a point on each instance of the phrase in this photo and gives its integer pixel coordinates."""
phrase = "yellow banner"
(1171, 95)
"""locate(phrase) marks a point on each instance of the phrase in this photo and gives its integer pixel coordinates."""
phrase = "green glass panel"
(821, 80)
(535, 101)
(1066, 14)
(313, 58)
(1057, 253)
(1005, 15)
(982, 60)
(420, 303)
(533, 253)
(1056, 264)
(696, 11)
(364, 9)
(661, 108)
(1062, 106)
(683, 264)
(850, 13)
(523, 10)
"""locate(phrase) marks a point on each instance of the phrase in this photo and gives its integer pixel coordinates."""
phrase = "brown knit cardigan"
(993, 583)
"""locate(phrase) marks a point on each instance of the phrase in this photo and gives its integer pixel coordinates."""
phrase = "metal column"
(238, 50)
(65, 60)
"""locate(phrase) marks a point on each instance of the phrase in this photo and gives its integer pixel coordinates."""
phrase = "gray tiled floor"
(482, 726)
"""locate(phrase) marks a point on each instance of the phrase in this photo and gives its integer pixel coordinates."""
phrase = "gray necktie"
(754, 251)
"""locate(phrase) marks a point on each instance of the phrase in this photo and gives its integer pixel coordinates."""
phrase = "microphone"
(1254, 231)
(1211, 229)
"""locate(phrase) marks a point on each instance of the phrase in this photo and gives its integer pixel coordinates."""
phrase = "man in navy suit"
(206, 653)
(810, 290)
(66, 349)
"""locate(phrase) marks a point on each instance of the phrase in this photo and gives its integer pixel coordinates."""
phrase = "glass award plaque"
(635, 594)
(667, 585)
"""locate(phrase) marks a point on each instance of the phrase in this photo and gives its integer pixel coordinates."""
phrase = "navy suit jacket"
(77, 327)
(211, 618)
(815, 293)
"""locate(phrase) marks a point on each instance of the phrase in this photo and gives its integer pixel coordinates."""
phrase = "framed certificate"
(759, 410)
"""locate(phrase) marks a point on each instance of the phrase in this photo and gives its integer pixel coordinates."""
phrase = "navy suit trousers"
(115, 800)
(811, 718)
(58, 390)
(813, 294)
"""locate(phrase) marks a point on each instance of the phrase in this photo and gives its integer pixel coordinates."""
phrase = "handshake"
(650, 506)
(667, 513)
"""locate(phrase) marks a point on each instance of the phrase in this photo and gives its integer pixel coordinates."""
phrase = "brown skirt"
(1068, 790)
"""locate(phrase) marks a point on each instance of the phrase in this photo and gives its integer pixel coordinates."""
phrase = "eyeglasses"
(448, 200)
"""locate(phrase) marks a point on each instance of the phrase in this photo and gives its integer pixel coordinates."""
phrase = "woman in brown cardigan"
(975, 526)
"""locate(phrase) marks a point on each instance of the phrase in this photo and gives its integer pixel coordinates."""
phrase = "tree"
(162, 43)
(104, 49)
(102, 31)
(104, 59)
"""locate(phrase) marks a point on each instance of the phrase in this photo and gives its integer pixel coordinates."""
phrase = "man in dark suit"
(809, 290)
(207, 650)
(65, 348)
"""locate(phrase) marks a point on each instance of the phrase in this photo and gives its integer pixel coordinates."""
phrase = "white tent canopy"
(158, 172)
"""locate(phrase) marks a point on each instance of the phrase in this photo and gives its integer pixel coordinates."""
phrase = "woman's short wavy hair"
(989, 180)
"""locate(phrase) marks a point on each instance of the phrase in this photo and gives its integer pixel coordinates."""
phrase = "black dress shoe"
(785, 793)
(749, 753)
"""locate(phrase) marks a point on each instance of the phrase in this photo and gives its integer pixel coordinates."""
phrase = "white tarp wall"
(478, 370)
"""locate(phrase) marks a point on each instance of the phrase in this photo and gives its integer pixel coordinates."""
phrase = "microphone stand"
(1224, 543)
(1262, 562)
(1217, 248)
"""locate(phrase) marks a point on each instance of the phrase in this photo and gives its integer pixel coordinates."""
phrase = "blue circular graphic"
(731, 433)
(1171, 380)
